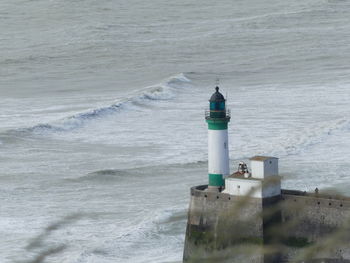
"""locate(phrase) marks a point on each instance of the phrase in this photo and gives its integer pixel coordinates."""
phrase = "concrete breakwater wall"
(292, 227)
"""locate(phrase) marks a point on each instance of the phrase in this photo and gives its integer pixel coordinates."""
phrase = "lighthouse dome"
(217, 104)
(217, 96)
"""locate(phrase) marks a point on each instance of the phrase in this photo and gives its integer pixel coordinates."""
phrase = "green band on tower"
(216, 180)
(217, 124)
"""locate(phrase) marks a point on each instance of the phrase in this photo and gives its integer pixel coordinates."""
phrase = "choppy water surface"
(102, 129)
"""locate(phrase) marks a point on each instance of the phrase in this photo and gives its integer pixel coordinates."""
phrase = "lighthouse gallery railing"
(217, 113)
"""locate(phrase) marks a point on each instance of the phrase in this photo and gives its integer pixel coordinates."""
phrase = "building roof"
(261, 158)
(238, 175)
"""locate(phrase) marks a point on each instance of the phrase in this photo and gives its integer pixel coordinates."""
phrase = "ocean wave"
(161, 226)
(308, 137)
(171, 216)
(102, 176)
(164, 91)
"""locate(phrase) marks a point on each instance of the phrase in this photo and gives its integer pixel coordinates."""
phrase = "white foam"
(166, 90)
(307, 137)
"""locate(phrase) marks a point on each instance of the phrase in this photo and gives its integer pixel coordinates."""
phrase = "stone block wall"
(315, 226)
(293, 227)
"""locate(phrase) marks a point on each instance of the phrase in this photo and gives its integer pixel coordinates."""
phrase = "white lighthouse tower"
(217, 118)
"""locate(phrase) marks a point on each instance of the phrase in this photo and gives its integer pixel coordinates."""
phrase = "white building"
(262, 182)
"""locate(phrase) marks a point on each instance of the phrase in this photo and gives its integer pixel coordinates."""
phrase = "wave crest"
(102, 176)
(163, 91)
(309, 137)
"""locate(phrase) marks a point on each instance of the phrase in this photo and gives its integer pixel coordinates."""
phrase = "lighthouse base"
(214, 189)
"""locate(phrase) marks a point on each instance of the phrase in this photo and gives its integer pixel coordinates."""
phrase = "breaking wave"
(309, 137)
(150, 233)
(164, 91)
(103, 176)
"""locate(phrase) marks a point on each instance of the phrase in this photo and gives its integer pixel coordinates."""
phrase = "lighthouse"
(217, 118)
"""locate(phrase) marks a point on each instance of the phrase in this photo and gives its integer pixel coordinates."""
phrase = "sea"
(102, 129)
